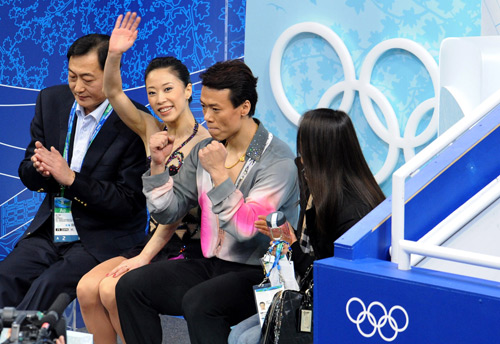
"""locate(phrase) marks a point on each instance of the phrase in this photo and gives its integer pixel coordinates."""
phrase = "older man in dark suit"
(89, 164)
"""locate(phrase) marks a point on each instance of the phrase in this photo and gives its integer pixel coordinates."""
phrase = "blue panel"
(440, 187)
(437, 307)
(440, 307)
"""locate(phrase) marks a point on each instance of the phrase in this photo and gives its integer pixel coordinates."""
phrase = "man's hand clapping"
(51, 163)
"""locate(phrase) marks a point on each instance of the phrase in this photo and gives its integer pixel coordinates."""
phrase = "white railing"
(460, 217)
(401, 248)
(428, 245)
(408, 247)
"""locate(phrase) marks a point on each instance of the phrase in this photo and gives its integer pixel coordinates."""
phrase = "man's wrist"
(219, 177)
(71, 179)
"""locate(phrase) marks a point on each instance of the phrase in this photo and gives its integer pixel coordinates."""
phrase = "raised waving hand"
(125, 32)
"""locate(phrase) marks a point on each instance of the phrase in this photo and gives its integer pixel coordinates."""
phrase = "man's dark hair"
(235, 76)
(87, 43)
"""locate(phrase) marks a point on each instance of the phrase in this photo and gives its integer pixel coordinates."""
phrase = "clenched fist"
(160, 147)
(212, 158)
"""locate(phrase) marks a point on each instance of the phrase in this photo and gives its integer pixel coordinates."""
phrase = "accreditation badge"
(264, 294)
(64, 226)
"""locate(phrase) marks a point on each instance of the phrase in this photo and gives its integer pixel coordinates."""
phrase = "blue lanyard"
(104, 117)
(71, 120)
(279, 247)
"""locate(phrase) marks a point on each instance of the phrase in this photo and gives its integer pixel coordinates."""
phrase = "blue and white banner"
(376, 60)
(35, 37)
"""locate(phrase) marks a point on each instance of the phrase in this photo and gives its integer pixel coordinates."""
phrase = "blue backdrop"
(34, 39)
(35, 36)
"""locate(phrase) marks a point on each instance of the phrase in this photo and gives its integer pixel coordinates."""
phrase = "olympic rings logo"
(368, 93)
(386, 318)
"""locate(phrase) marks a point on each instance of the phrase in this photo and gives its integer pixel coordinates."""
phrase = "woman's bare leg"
(108, 300)
(95, 315)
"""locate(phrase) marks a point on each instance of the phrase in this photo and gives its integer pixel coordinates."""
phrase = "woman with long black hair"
(337, 189)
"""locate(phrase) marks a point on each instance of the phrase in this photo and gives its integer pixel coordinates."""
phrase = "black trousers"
(38, 270)
(211, 294)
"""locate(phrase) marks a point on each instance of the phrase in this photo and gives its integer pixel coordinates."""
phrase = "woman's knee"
(87, 290)
(107, 292)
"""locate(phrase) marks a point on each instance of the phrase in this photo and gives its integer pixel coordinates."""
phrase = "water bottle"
(275, 221)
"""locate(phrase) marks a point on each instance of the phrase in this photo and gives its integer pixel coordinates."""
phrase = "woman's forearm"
(160, 238)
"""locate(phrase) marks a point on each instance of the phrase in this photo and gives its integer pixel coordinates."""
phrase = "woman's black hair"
(174, 65)
(332, 156)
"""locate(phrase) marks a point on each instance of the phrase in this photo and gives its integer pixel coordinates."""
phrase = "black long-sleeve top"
(352, 211)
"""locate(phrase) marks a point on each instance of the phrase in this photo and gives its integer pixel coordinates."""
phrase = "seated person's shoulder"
(354, 208)
(202, 142)
(202, 134)
(279, 150)
(59, 91)
(56, 98)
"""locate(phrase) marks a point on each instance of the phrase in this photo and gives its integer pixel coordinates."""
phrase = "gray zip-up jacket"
(267, 182)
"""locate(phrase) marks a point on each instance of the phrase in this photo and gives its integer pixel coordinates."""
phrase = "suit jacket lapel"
(102, 141)
(63, 129)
